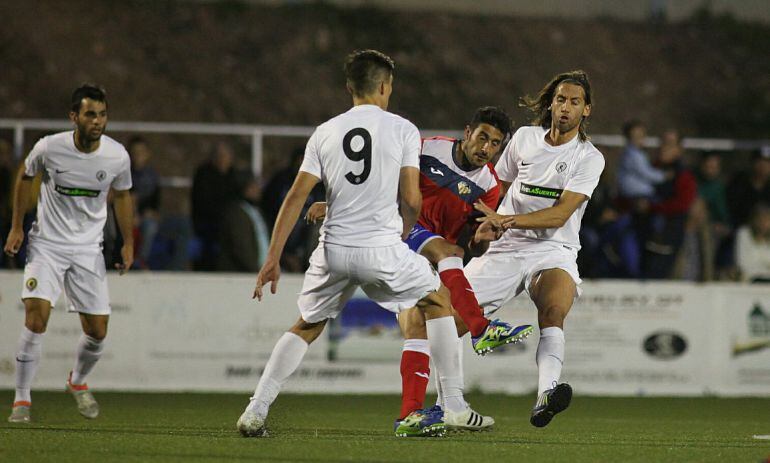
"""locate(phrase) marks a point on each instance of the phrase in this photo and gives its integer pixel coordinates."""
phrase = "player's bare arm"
(124, 214)
(410, 198)
(551, 217)
(287, 217)
(22, 193)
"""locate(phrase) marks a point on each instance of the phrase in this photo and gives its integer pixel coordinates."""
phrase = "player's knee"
(309, 332)
(36, 324)
(98, 333)
(451, 250)
(552, 315)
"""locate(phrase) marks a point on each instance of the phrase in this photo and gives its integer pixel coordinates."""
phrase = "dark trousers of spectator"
(610, 250)
(662, 243)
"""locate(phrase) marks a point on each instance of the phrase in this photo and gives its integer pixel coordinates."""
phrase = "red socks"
(463, 299)
(415, 372)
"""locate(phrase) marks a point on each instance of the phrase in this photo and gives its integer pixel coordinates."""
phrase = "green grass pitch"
(330, 428)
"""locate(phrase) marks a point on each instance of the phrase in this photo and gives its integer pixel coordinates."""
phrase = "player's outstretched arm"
(22, 194)
(124, 214)
(284, 223)
(550, 217)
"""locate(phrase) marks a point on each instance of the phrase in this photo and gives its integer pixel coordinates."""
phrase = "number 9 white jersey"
(359, 155)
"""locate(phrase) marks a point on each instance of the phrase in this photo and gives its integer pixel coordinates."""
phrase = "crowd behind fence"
(666, 207)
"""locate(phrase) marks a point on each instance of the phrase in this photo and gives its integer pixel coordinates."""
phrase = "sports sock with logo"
(442, 337)
(450, 269)
(415, 373)
(27, 360)
(550, 357)
(285, 358)
(89, 352)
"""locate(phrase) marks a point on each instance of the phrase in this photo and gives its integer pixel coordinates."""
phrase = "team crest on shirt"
(31, 284)
(561, 167)
(101, 175)
(463, 188)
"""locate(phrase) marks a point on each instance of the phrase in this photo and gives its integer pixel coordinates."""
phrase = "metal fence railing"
(257, 133)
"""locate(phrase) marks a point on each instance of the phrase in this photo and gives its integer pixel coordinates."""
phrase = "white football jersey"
(538, 173)
(359, 155)
(72, 206)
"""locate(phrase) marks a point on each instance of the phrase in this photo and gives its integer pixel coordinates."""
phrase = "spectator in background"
(750, 188)
(244, 236)
(609, 246)
(7, 176)
(278, 185)
(670, 211)
(711, 189)
(636, 176)
(752, 244)
(213, 187)
(146, 193)
(300, 242)
(695, 260)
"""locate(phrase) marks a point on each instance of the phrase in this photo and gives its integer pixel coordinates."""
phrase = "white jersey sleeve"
(412, 146)
(311, 163)
(586, 175)
(506, 167)
(34, 162)
(122, 180)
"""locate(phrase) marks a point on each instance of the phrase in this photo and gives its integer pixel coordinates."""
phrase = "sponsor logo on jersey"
(561, 167)
(70, 191)
(540, 191)
(436, 171)
(101, 175)
(463, 188)
(31, 284)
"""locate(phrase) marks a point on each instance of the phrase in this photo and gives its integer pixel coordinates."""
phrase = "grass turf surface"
(330, 428)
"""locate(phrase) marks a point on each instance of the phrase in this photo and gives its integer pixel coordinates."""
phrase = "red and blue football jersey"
(448, 191)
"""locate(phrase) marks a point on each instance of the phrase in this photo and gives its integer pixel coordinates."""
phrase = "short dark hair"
(494, 116)
(365, 69)
(630, 125)
(92, 91)
(541, 104)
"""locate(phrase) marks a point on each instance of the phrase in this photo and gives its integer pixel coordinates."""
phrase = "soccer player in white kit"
(79, 168)
(368, 160)
(548, 171)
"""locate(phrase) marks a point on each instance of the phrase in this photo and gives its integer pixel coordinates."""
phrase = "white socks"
(286, 357)
(27, 361)
(417, 345)
(89, 352)
(440, 396)
(442, 337)
(550, 357)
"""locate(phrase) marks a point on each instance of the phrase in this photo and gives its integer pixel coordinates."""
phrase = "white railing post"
(18, 140)
(256, 153)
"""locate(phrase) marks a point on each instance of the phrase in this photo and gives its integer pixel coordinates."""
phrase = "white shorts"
(80, 271)
(393, 276)
(498, 277)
